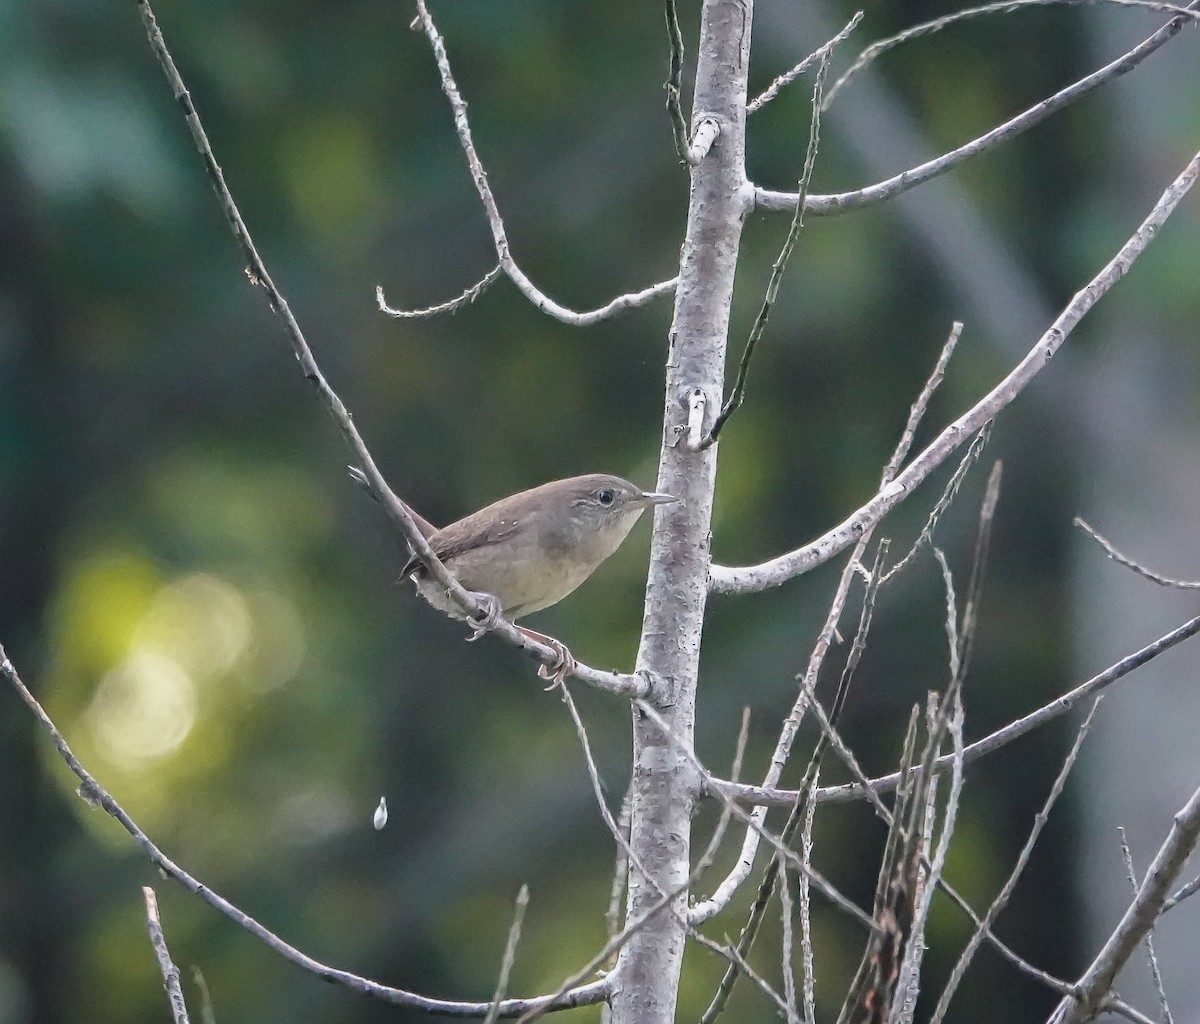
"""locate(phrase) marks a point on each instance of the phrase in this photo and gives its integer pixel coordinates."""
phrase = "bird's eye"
(604, 496)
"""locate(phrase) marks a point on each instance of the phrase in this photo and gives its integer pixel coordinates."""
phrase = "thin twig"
(806, 938)
(1006, 890)
(720, 898)
(738, 394)
(820, 54)
(822, 205)
(983, 540)
(1129, 563)
(612, 917)
(735, 958)
(170, 973)
(786, 945)
(206, 1004)
(949, 493)
(679, 128)
(1183, 893)
(1139, 918)
(96, 796)
(779, 570)
(1155, 973)
(791, 724)
(510, 954)
(819, 880)
(878, 49)
(920, 406)
(451, 306)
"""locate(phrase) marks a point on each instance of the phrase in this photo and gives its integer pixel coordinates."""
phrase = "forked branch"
(783, 568)
(507, 264)
(821, 205)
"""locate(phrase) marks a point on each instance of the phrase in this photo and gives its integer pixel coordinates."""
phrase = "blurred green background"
(209, 608)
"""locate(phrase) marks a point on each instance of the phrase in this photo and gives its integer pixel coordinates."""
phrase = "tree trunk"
(665, 785)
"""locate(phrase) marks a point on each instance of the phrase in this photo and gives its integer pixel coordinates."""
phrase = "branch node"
(707, 132)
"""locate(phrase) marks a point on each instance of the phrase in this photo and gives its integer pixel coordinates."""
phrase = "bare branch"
(779, 570)
(1139, 918)
(765, 796)
(920, 406)
(1155, 973)
(820, 54)
(806, 943)
(612, 917)
(927, 28)
(95, 795)
(679, 128)
(499, 236)
(452, 306)
(738, 962)
(170, 973)
(1129, 563)
(785, 947)
(949, 493)
(1006, 890)
(820, 205)
(738, 394)
(510, 953)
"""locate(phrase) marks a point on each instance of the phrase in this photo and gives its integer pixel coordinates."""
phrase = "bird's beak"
(654, 498)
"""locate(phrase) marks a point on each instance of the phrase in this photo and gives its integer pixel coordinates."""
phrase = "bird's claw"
(488, 618)
(558, 669)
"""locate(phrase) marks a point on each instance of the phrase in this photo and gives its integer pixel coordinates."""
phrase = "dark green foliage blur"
(209, 608)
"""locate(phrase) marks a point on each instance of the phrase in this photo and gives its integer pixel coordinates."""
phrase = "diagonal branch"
(779, 570)
(928, 28)
(400, 515)
(1006, 890)
(766, 796)
(1138, 920)
(820, 54)
(821, 205)
(95, 795)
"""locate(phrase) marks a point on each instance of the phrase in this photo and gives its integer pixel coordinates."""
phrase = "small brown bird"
(530, 550)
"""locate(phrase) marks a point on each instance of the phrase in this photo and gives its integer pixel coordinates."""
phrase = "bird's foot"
(488, 618)
(562, 665)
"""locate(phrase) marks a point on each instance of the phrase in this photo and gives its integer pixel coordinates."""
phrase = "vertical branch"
(679, 129)
(738, 395)
(665, 782)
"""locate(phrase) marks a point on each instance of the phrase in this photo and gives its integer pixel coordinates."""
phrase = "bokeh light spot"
(142, 710)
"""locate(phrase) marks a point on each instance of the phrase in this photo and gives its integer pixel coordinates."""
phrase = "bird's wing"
(465, 535)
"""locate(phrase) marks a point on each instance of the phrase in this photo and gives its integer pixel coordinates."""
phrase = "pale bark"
(666, 784)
